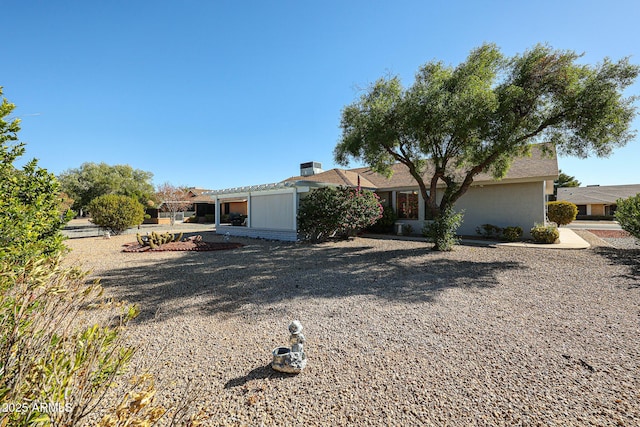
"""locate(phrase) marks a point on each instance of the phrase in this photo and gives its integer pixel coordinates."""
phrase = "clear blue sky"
(219, 94)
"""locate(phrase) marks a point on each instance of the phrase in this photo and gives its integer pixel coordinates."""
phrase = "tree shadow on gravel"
(264, 273)
(625, 257)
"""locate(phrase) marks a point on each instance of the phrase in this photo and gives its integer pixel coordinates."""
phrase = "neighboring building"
(516, 200)
(202, 204)
(596, 200)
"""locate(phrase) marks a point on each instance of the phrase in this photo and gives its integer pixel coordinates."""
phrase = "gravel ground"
(616, 238)
(396, 334)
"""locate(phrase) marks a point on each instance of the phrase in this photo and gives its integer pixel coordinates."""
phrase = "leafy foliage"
(545, 233)
(337, 212)
(30, 217)
(46, 356)
(512, 234)
(490, 231)
(565, 180)
(562, 212)
(116, 213)
(385, 223)
(56, 364)
(92, 180)
(480, 115)
(442, 230)
(628, 215)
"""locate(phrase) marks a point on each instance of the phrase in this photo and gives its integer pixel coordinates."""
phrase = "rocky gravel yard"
(396, 334)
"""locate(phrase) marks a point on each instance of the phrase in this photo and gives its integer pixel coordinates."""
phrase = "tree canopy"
(480, 115)
(565, 180)
(91, 180)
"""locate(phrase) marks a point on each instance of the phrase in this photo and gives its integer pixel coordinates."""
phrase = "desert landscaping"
(396, 334)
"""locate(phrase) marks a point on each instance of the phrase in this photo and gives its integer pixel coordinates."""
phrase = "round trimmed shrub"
(545, 233)
(512, 234)
(561, 212)
(116, 213)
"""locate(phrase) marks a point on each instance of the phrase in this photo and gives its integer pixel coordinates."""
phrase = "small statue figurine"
(291, 360)
(296, 340)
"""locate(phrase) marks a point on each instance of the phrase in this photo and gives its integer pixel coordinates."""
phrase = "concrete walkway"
(568, 240)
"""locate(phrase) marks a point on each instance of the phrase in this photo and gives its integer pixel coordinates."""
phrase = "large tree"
(98, 179)
(456, 122)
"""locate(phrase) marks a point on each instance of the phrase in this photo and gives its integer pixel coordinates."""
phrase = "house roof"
(344, 177)
(197, 195)
(606, 194)
(538, 166)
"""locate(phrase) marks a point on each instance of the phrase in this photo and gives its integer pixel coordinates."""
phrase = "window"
(407, 204)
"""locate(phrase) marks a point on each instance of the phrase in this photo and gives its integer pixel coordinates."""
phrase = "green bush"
(545, 233)
(47, 356)
(512, 234)
(210, 218)
(407, 229)
(337, 212)
(116, 213)
(489, 231)
(561, 212)
(386, 221)
(30, 217)
(628, 215)
(442, 230)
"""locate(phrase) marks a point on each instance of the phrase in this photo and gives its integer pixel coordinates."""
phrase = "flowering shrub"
(337, 212)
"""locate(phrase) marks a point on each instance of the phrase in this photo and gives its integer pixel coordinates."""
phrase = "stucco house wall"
(503, 205)
(500, 204)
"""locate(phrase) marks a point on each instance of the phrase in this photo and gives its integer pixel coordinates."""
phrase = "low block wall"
(157, 221)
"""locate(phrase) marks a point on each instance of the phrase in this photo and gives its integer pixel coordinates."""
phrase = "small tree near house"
(173, 200)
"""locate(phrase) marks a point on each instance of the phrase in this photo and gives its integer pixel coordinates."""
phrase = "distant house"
(596, 200)
(518, 199)
(202, 204)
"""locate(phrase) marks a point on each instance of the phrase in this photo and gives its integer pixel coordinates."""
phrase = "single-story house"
(596, 200)
(201, 204)
(518, 199)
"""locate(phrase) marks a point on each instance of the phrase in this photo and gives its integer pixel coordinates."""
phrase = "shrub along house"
(518, 199)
